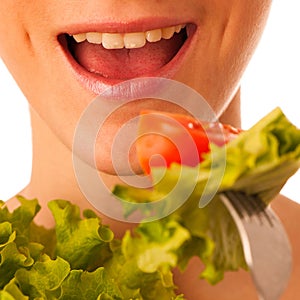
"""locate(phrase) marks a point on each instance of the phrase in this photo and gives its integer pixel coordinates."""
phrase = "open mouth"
(122, 56)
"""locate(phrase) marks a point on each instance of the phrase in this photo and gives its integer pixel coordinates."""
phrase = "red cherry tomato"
(165, 138)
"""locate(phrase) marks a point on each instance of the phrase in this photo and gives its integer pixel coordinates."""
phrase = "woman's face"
(60, 76)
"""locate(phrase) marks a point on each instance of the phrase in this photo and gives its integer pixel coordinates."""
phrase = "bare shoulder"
(289, 213)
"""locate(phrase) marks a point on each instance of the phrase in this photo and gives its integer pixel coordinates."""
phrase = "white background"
(272, 79)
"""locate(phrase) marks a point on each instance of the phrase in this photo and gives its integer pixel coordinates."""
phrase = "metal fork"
(266, 246)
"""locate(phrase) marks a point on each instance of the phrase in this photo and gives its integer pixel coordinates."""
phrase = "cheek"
(240, 39)
(15, 43)
(55, 98)
(225, 44)
(243, 31)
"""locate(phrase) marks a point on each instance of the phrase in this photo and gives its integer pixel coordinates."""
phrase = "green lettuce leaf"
(262, 159)
(89, 285)
(13, 259)
(21, 218)
(4, 295)
(83, 242)
(14, 292)
(44, 279)
(14, 242)
(142, 262)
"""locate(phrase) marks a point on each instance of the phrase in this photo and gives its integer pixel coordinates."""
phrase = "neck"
(232, 113)
(53, 177)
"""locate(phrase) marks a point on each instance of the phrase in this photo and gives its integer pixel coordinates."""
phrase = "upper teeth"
(127, 40)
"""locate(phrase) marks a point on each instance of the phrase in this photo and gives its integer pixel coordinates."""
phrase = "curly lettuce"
(81, 259)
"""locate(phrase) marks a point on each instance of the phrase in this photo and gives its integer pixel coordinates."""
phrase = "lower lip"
(98, 84)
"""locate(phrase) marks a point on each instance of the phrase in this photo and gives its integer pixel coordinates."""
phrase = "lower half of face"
(64, 54)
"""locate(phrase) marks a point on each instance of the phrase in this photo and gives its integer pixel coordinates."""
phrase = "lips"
(108, 58)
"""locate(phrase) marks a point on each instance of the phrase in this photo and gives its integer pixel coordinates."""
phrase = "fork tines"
(265, 243)
(250, 207)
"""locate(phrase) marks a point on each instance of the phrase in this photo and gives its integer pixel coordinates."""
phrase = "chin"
(122, 165)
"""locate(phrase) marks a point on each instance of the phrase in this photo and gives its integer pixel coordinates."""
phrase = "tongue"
(126, 63)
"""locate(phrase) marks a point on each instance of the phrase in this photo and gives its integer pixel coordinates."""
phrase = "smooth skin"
(226, 37)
